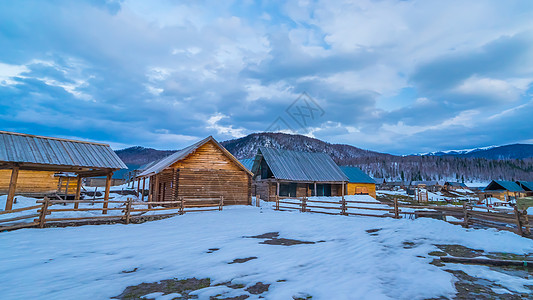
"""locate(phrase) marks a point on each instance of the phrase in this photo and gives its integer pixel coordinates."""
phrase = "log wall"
(35, 183)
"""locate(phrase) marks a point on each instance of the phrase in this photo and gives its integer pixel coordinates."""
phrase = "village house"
(527, 186)
(286, 173)
(203, 170)
(502, 190)
(429, 185)
(359, 183)
(46, 166)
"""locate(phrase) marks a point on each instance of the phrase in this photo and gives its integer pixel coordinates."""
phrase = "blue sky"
(391, 76)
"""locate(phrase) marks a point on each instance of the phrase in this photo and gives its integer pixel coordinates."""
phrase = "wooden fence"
(47, 210)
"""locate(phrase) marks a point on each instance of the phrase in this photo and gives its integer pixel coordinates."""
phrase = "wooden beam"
(106, 193)
(12, 188)
(142, 193)
(78, 191)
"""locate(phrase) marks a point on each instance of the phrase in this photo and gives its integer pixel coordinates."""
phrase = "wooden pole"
(144, 185)
(221, 203)
(138, 185)
(304, 204)
(44, 212)
(156, 188)
(277, 195)
(465, 211)
(128, 211)
(315, 189)
(66, 187)
(257, 200)
(518, 221)
(12, 188)
(106, 193)
(396, 210)
(181, 205)
(78, 192)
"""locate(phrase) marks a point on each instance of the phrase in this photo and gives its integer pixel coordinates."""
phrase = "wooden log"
(181, 206)
(286, 207)
(78, 191)
(396, 210)
(277, 195)
(518, 221)
(12, 188)
(257, 200)
(128, 211)
(465, 217)
(487, 261)
(367, 215)
(324, 207)
(119, 217)
(106, 193)
(81, 209)
(221, 202)
(304, 204)
(371, 208)
(144, 185)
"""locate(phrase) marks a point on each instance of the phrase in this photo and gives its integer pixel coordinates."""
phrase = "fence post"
(465, 211)
(518, 220)
(44, 211)
(257, 200)
(277, 202)
(128, 210)
(343, 206)
(396, 210)
(304, 204)
(221, 203)
(181, 206)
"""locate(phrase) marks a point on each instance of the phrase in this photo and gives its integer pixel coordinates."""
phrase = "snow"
(88, 262)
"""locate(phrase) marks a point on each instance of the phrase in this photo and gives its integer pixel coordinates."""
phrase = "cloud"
(398, 76)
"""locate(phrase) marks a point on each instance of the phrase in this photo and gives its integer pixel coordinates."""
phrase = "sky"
(392, 76)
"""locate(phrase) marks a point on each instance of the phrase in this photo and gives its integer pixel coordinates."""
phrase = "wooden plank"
(12, 188)
(78, 191)
(18, 218)
(371, 208)
(286, 207)
(18, 226)
(367, 215)
(82, 209)
(20, 209)
(324, 207)
(84, 218)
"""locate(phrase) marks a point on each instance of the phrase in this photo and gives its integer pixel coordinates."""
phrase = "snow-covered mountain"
(514, 151)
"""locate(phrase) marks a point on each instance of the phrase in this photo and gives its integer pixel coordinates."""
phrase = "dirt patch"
(409, 245)
(460, 251)
(130, 271)
(181, 286)
(437, 253)
(469, 287)
(241, 297)
(272, 238)
(211, 250)
(373, 232)
(242, 260)
(257, 288)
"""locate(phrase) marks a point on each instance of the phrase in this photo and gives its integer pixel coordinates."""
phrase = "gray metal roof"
(356, 175)
(299, 166)
(31, 149)
(160, 165)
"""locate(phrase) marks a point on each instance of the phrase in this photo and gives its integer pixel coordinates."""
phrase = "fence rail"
(46, 213)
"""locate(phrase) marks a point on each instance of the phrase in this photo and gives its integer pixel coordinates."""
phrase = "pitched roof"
(356, 175)
(247, 162)
(299, 166)
(527, 185)
(39, 150)
(160, 165)
(504, 185)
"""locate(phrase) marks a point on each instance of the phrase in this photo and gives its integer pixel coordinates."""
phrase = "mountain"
(514, 151)
(247, 146)
(511, 162)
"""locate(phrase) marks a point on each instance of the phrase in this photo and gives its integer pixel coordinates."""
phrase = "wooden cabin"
(203, 170)
(286, 173)
(47, 166)
(527, 186)
(40, 183)
(359, 183)
(503, 190)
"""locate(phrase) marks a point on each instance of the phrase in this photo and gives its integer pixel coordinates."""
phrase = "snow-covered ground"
(351, 257)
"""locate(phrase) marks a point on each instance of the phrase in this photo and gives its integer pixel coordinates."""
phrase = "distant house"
(380, 182)
(359, 182)
(452, 186)
(394, 185)
(503, 190)
(288, 173)
(527, 186)
(46, 166)
(203, 170)
(430, 185)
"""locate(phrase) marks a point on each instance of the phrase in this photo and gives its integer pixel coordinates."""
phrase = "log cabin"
(285, 173)
(454, 186)
(31, 162)
(527, 186)
(40, 183)
(503, 190)
(359, 183)
(203, 170)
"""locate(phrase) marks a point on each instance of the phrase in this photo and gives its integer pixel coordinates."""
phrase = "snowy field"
(348, 257)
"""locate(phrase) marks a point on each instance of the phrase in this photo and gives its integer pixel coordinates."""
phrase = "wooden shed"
(503, 190)
(288, 173)
(203, 170)
(359, 183)
(31, 164)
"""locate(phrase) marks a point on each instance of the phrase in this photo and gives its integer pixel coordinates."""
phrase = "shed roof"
(356, 175)
(510, 186)
(526, 185)
(299, 166)
(26, 149)
(160, 165)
